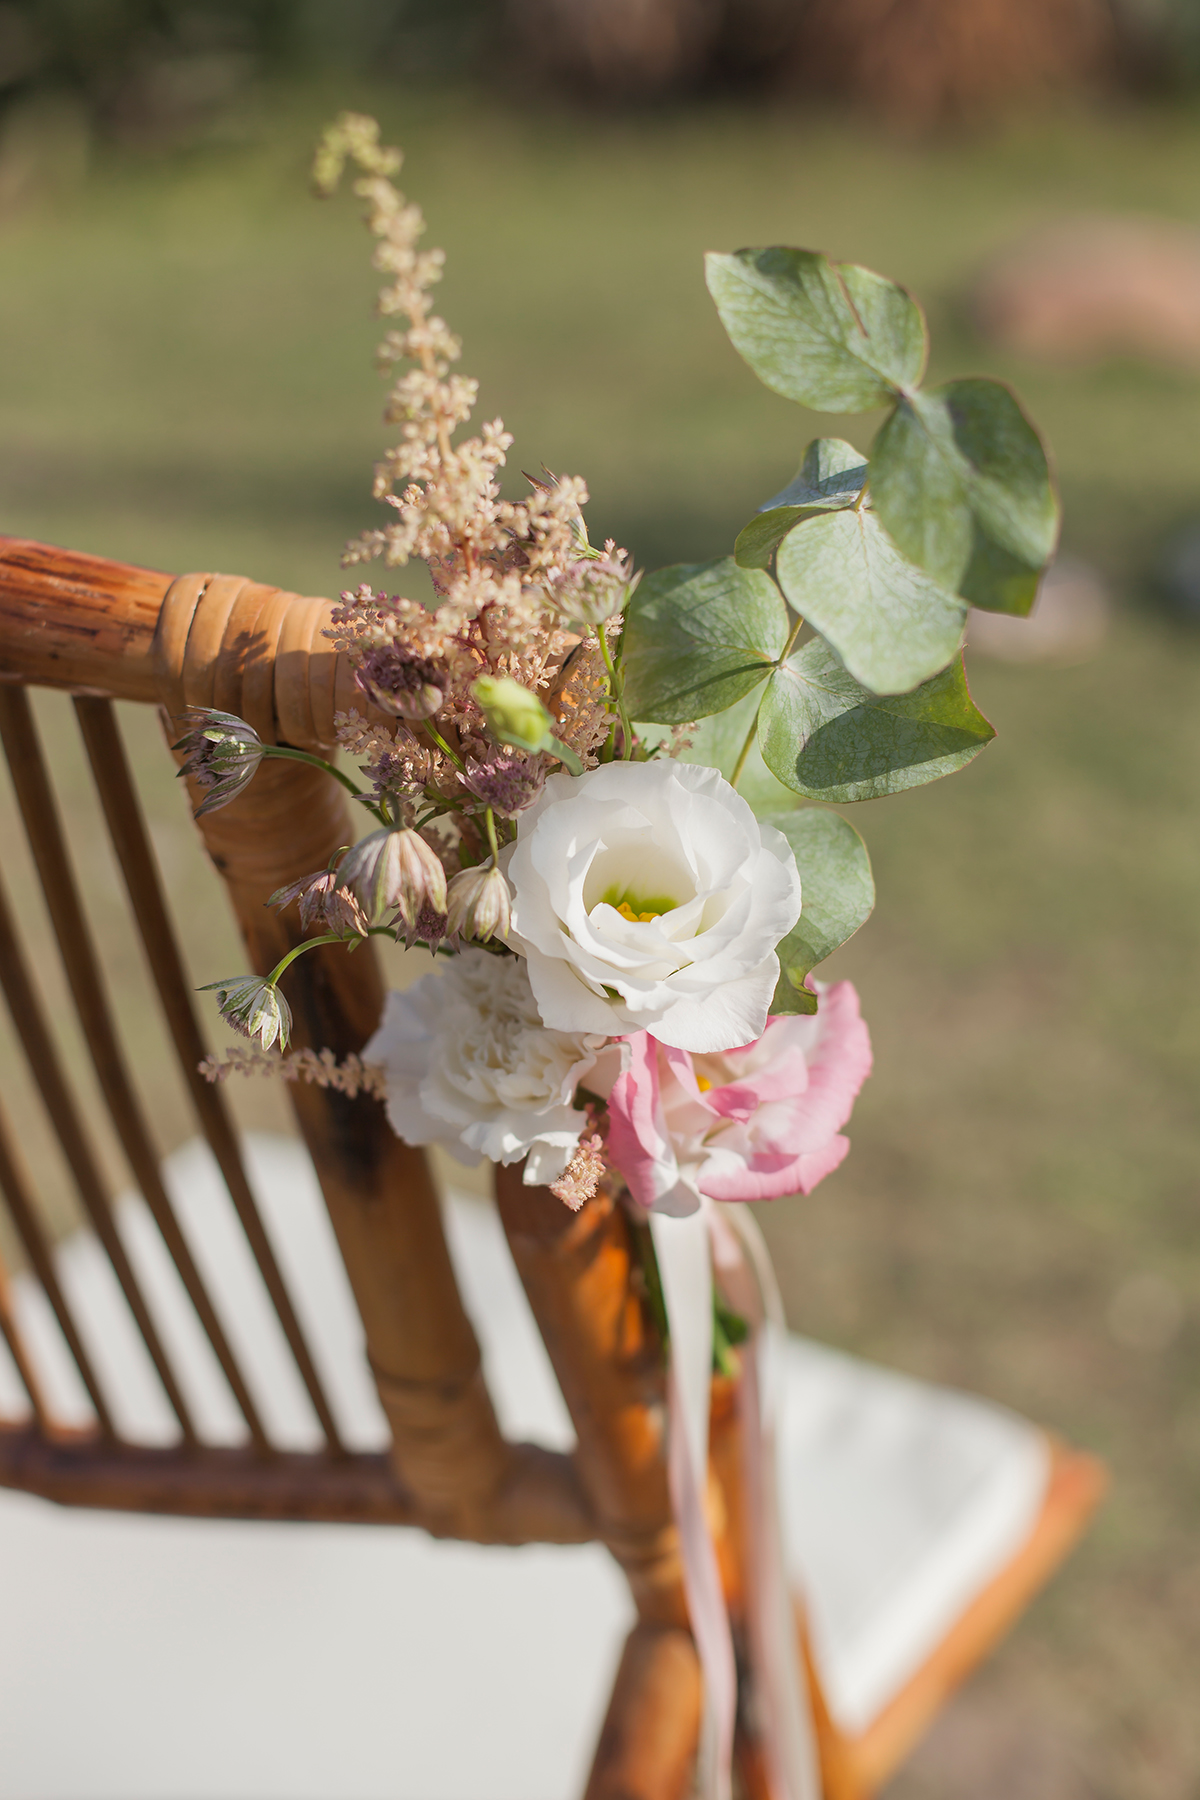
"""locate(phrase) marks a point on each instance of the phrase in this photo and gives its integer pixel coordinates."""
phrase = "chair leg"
(578, 1270)
(647, 1747)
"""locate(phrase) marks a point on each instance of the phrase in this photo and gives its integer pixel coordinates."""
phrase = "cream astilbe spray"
(515, 581)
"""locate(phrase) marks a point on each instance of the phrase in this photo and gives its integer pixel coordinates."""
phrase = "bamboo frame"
(105, 631)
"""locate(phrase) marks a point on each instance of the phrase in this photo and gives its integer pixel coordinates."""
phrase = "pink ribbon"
(686, 1248)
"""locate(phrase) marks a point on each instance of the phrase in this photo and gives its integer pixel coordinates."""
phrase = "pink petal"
(772, 1177)
(637, 1138)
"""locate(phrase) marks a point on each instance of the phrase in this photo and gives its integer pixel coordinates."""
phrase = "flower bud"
(342, 913)
(513, 714)
(253, 1007)
(504, 779)
(223, 753)
(394, 871)
(401, 683)
(596, 587)
(324, 901)
(479, 904)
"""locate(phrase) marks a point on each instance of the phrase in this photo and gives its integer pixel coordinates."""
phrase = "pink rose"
(748, 1124)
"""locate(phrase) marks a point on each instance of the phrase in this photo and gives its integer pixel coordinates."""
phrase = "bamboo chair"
(105, 631)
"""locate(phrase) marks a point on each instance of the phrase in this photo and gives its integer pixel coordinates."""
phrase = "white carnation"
(647, 896)
(470, 1065)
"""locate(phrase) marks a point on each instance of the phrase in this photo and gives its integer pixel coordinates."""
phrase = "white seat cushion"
(172, 1659)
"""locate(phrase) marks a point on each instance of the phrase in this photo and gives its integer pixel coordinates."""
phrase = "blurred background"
(187, 383)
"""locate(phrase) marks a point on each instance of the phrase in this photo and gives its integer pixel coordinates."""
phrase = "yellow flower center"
(639, 909)
(703, 1083)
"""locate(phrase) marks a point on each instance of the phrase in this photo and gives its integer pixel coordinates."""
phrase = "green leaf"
(757, 542)
(831, 476)
(959, 477)
(824, 735)
(830, 335)
(837, 894)
(717, 744)
(698, 637)
(892, 625)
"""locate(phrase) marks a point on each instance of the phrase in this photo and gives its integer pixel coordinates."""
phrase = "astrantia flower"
(323, 901)
(400, 682)
(505, 779)
(254, 1007)
(749, 1124)
(470, 1065)
(478, 905)
(394, 871)
(648, 896)
(223, 753)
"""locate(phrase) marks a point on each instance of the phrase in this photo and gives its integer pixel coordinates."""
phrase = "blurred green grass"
(188, 384)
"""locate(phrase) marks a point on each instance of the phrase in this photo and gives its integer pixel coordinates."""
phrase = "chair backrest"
(104, 631)
(108, 632)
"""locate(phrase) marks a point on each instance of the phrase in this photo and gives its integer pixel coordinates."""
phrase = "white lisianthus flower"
(470, 1065)
(647, 896)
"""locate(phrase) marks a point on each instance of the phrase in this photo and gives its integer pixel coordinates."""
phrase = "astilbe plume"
(516, 582)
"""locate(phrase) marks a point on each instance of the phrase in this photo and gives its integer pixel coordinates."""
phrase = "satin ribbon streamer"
(686, 1249)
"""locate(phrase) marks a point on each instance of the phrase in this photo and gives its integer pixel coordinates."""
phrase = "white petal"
(732, 1015)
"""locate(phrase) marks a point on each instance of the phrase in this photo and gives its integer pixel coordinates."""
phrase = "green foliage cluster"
(879, 557)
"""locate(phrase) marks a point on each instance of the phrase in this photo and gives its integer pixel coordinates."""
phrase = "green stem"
(617, 686)
(797, 628)
(743, 754)
(566, 756)
(315, 762)
(443, 746)
(490, 821)
(328, 937)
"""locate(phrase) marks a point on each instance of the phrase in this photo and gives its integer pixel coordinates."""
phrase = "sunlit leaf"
(959, 477)
(833, 336)
(831, 476)
(837, 896)
(825, 735)
(890, 623)
(698, 637)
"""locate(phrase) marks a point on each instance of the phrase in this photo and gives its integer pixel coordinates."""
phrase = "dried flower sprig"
(580, 1180)
(352, 1076)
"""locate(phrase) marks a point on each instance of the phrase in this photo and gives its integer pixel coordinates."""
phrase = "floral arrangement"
(604, 800)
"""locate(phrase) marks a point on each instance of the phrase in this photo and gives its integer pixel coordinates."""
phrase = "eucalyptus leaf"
(698, 636)
(757, 542)
(959, 477)
(824, 735)
(890, 623)
(837, 896)
(833, 336)
(717, 743)
(831, 476)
